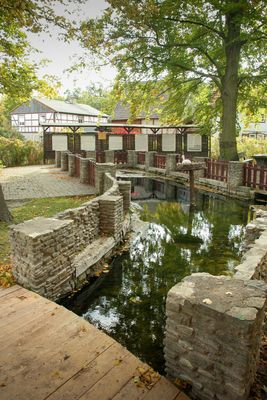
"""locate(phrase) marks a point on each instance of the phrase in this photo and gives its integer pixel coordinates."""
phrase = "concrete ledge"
(92, 254)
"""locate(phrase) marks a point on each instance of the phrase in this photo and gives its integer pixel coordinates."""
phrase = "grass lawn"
(35, 208)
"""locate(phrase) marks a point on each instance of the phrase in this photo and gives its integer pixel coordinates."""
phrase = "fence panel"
(100, 157)
(91, 173)
(159, 161)
(141, 158)
(217, 170)
(255, 176)
(120, 157)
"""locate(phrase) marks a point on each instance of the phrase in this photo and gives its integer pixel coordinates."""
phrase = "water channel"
(176, 240)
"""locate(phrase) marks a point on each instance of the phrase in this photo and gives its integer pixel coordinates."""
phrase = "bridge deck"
(47, 352)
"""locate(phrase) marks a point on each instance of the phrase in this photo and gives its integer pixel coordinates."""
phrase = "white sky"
(61, 55)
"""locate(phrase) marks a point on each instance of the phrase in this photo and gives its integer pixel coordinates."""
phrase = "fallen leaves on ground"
(6, 276)
(146, 378)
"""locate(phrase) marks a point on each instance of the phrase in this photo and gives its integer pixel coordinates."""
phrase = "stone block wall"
(64, 160)
(42, 252)
(111, 215)
(254, 261)
(48, 252)
(85, 222)
(213, 334)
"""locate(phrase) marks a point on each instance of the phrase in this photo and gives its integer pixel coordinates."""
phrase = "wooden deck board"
(49, 353)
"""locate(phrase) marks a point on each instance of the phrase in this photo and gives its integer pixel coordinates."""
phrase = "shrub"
(15, 152)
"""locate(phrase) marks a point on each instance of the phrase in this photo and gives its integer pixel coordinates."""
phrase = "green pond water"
(128, 302)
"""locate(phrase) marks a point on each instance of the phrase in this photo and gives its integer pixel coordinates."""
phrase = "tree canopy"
(206, 53)
(17, 73)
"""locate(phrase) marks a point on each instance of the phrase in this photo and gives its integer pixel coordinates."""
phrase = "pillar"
(213, 334)
(149, 161)
(71, 164)
(125, 190)
(170, 163)
(84, 170)
(101, 169)
(64, 161)
(58, 159)
(109, 156)
(235, 174)
(132, 158)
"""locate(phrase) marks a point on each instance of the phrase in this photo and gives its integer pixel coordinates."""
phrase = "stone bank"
(54, 256)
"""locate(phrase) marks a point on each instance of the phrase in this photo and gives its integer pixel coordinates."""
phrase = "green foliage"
(248, 146)
(207, 55)
(95, 95)
(15, 152)
(18, 76)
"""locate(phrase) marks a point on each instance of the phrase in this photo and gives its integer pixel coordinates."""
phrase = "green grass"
(35, 208)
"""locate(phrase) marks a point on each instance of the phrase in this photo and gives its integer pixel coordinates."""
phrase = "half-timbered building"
(27, 117)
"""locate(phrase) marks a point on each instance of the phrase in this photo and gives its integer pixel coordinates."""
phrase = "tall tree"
(187, 43)
(95, 95)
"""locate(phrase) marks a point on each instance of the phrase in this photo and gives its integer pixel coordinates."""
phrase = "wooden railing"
(255, 176)
(120, 157)
(217, 170)
(100, 157)
(77, 165)
(160, 161)
(141, 158)
(91, 173)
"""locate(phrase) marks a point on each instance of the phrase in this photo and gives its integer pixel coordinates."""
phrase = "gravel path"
(40, 181)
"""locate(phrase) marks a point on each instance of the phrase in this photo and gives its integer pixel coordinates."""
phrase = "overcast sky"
(62, 55)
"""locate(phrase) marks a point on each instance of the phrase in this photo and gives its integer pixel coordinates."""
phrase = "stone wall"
(213, 334)
(214, 324)
(53, 256)
(254, 261)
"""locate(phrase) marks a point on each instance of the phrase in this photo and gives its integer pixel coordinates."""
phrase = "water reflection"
(129, 302)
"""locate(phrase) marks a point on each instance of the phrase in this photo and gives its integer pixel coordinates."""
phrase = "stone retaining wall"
(213, 334)
(50, 253)
(214, 324)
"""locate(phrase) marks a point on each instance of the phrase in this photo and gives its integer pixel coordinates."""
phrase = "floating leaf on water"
(207, 301)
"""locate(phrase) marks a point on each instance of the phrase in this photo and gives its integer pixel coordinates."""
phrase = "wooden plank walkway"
(49, 353)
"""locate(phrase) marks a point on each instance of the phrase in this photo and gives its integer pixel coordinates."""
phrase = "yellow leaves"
(117, 361)
(6, 276)
(146, 378)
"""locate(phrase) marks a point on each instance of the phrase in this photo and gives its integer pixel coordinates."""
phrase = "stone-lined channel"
(128, 302)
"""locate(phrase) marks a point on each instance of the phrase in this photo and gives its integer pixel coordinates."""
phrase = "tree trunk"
(229, 91)
(4, 212)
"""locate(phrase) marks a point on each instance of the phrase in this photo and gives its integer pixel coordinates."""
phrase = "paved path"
(22, 183)
(49, 353)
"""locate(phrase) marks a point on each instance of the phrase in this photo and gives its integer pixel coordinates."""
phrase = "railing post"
(170, 163)
(235, 174)
(132, 158)
(149, 161)
(84, 170)
(64, 160)
(71, 166)
(58, 159)
(109, 154)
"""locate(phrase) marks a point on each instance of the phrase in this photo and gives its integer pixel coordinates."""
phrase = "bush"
(15, 152)
(248, 146)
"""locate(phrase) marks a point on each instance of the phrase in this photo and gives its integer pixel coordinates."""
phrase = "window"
(80, 119)
(42, 119)
(21, 119)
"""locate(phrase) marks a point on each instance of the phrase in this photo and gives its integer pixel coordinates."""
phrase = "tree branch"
(188, 21)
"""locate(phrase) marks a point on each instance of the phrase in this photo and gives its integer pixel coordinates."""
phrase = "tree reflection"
(130, 302)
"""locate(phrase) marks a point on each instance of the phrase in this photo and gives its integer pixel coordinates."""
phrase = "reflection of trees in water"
(130, 303)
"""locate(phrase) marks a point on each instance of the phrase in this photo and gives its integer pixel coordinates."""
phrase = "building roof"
(122, 112)
(70, 108)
